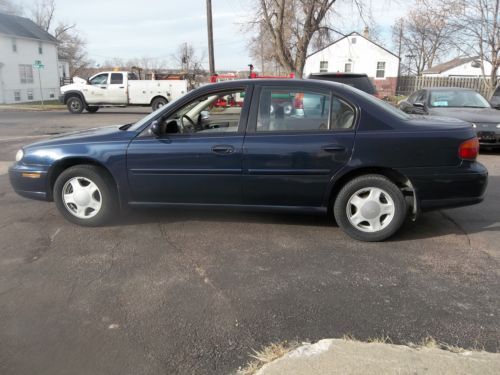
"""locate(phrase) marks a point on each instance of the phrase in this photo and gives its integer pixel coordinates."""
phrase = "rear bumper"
(448, 187)
(29, 181)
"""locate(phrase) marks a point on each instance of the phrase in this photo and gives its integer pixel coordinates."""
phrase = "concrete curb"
(337, 356)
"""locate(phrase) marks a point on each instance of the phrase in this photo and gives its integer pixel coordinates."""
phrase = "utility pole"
(211, 63)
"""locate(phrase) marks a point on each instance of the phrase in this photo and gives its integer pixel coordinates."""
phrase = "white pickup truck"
(119, 89)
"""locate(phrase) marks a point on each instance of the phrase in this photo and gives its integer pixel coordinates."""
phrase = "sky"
(155, 28)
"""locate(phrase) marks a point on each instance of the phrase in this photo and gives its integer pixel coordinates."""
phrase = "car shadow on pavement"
(483, 217)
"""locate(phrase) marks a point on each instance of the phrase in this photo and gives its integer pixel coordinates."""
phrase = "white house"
(459, 67)
(356, 53)
(22, 44)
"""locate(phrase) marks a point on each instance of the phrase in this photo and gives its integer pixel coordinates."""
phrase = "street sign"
(38, 64)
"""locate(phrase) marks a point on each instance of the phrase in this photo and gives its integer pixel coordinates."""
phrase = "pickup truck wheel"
(158, 103)
(84, 195)
(370, 208)
(92, 109)
(75, 105)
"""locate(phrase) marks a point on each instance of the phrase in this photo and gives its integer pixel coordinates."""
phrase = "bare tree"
(43, 12)
(479, 24)
(72, 47)
(425, 34)
(292, 25)
(8, 7)
(187, 59)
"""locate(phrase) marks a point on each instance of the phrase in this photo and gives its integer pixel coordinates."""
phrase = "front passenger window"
(101, 79)
(216, 113)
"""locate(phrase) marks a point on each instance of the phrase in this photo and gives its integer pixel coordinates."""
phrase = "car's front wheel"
(75, 105)
(370, 208)
(84, 195)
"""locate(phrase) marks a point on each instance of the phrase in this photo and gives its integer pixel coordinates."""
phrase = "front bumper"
(30, 181)
(447, 187)
(488, 138)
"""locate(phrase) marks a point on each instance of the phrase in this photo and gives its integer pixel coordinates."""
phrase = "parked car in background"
(463, 104)
(119, 89)
(495, 98)
(359, 81)
(344, 152)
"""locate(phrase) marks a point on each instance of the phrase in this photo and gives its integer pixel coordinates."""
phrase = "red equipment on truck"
(238, 102)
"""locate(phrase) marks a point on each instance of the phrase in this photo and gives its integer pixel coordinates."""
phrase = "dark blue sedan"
(289, 145)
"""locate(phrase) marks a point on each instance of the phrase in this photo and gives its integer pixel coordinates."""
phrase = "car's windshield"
(385, 105)
(457, 98)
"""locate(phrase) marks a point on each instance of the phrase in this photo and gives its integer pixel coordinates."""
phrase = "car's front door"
(197, 158)
(96, 91)
(297, 139)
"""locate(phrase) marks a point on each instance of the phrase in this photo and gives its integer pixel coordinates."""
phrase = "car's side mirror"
(419, 108)
(154, 129)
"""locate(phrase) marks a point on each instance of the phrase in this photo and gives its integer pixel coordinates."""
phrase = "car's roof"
(281, 82)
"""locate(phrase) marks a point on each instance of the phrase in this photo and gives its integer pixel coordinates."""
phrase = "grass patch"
(266, 355)
(47, 104)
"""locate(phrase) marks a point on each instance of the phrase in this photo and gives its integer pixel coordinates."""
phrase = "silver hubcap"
(370, 209)
(82, 197)
(75, 105)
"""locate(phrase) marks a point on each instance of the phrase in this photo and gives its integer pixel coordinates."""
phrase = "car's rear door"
(290, 156)
(117, 91)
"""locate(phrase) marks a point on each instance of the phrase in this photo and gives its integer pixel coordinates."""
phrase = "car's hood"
(488, 115)
(76, 85)
(103, 134)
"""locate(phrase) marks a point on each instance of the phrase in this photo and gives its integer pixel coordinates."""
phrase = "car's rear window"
(362, 83)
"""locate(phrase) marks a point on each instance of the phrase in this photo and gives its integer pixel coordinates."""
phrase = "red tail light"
(469, 149)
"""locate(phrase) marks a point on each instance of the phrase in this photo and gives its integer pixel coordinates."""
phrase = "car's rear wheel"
(92, 109)
(84, 195)
(75, 105)
(370, 208)
(158, 103)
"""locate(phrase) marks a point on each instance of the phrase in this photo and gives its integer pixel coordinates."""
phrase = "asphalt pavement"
(194, 291)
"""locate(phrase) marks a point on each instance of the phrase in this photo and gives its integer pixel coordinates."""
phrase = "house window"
(323, 66)
(30, 94)
(14, 45)
(40, 48)
(348, 67)
(17, 96)
(353, 40)
(380, 69)
(26, 73)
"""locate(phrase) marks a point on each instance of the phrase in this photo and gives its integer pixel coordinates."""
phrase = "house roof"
(351, 34)
(24, 28)
(457, 61)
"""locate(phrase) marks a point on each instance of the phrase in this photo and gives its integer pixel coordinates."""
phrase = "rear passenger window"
(116, 78)
(290, 110)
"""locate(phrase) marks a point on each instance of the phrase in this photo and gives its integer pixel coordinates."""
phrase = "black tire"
(75, 105)
(364, 231)
(158, 103)
(106, 195)
(92, 109)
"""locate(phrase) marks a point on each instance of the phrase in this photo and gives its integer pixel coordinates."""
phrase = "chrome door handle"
(223, 149)
(333, 148)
